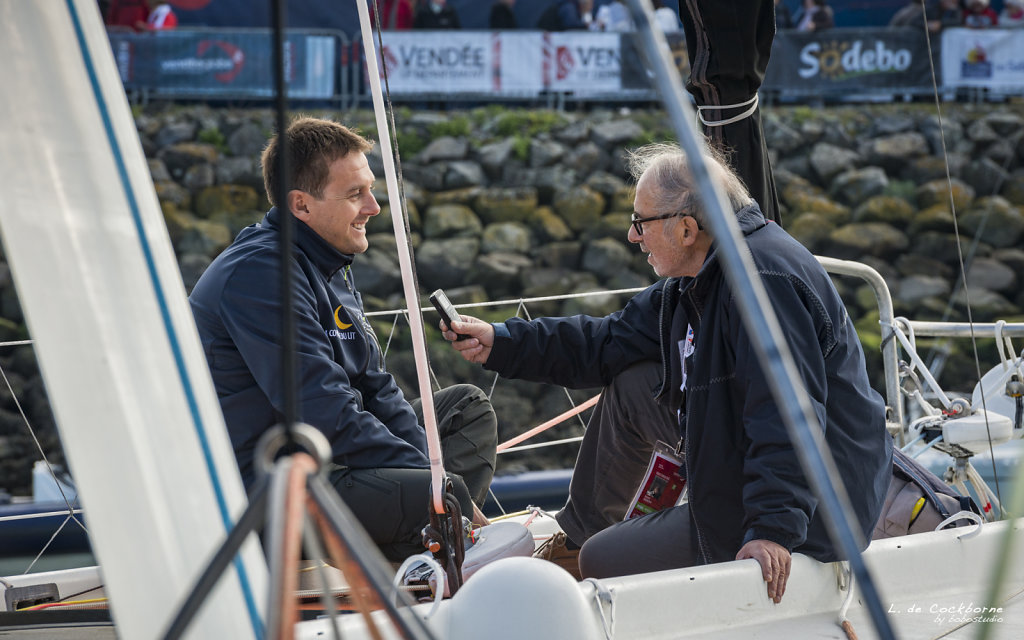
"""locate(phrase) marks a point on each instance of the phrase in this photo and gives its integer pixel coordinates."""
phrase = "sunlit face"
(340, 216)
(674, 247)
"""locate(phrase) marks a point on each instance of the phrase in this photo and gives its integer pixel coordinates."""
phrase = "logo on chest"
(341, 330)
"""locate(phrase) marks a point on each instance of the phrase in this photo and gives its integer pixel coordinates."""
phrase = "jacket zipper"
(701, 545)
(367, 332)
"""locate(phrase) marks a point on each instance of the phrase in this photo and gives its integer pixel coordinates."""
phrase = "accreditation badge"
(663, 483)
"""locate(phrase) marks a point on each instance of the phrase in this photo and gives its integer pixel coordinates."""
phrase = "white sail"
(117, 346)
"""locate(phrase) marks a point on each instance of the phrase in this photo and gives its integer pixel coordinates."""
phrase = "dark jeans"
(615, 452)
(654, 542)
(393, 504)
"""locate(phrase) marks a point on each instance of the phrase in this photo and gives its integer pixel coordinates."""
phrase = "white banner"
(512, 63)
(992, 58)
(439, 61)
(582, 62)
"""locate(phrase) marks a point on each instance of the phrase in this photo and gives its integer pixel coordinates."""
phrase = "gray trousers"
(393, 505)
(613, 457)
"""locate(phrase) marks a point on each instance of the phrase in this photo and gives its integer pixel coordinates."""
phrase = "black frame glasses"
(638, 222)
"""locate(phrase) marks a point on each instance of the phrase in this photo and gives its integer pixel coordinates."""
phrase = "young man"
(380, 466)
(747, 493)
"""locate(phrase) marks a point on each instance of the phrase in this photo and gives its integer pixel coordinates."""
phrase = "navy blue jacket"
(345, 391)
(744, 478)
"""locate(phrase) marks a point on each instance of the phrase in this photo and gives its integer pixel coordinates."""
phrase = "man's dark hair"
(313, 144)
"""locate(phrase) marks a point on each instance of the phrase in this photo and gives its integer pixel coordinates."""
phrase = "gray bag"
(918, 501)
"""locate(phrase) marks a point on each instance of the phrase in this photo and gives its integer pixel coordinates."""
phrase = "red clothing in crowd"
(128, 13)
(395, 14)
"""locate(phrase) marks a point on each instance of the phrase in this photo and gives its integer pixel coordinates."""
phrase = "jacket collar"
(326, 258)
(750, 220)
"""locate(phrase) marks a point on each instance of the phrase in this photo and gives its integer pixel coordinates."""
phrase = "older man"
(748, 496)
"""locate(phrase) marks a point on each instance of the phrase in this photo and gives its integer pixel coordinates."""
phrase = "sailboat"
(140, 422)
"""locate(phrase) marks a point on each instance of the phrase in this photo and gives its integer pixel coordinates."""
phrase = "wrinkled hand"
(477, 347)
(775, 563)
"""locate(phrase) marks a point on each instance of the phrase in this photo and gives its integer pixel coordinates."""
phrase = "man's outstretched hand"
(775, 563)
(477, 347)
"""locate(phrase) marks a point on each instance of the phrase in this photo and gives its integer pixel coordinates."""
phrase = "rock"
(940, 246)
(574, 133)
(888, 209)
(605, 257)
(465, 196)
(987, 273)
(247, 140)
(778, 135)
(611, 187)
(500, 271)
(893, 152)
(377, 271)
(871, 238)
(450, 220)
(980, 131)
(544, 153)
(827, 161)
(173, 194)
(158, 170)
(995, 221)
(587, 158)
(910, 264)
(204, 237)
(180, 157)
(985, 176)
(559, 255)
(580, 207)
(949, 135)
(913, 289)
(1013, 188)
(498, 204)
(445, 263)
(1012, 258)
(615, 132)
(225, 198)
(494, 156)
(1000, 152)
(1004, 124)
(550, 227)
(889, 124)
(986, 306)
(506, 237)
(198, 177)
(464, 173)
(857, 185)
(429, 176)
(810, 229)
(173, 133)
(239, 170)
(801, 200)
(928, 168)
(938, 192)
(443, 148)
(540, 282)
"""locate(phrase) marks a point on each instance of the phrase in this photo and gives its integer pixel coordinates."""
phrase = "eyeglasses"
(638, 222)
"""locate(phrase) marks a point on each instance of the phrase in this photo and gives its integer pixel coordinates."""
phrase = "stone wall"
(511, 202)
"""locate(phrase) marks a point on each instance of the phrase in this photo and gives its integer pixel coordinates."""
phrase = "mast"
(115, 338)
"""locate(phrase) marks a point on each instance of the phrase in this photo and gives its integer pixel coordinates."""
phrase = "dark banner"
(634, 70)
(222, 63)
(849, 60)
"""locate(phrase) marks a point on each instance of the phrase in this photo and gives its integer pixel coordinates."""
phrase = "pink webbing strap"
(550, 423)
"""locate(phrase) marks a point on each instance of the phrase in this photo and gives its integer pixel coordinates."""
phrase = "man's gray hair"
(675, 189)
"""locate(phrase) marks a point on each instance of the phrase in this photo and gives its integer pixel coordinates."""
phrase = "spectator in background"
(815, 15)
(394, 14)
(502, 16)
(1012, 15)
(783, 16)
(565, 15)
(666, 18)
(162, 18)
(613, 16)
(435, 14)
(131, 14)
(978, 15)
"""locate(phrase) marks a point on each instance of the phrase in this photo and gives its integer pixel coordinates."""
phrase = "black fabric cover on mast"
(729, 43)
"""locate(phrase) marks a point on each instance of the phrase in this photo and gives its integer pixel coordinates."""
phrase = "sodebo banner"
(842, 59)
